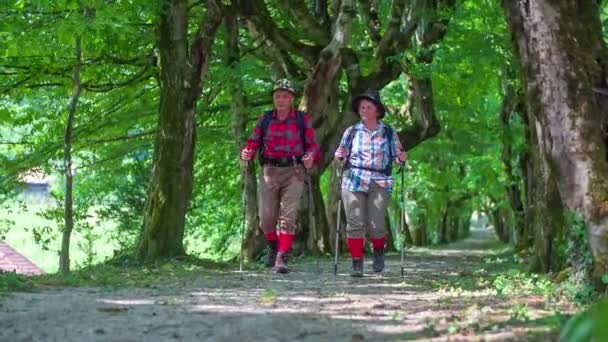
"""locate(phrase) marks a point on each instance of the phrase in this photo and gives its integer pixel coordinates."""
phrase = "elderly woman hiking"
(287, 147)
(370, 148)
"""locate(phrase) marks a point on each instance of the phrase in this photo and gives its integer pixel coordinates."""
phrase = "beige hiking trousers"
(280, 194)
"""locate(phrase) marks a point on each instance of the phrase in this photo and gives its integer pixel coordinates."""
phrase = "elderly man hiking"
(370, 148)
(287, 147)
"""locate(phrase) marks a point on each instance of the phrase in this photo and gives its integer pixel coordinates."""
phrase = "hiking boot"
(280, 265)
(273, 246)
(357, 270)
(378, 265)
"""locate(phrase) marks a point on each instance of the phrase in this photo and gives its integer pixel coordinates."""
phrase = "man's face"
(282, 100)
(367, 110)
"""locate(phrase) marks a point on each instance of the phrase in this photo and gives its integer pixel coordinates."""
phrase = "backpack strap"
(302, 128)
(389, 137)
(264, 123)
(351, 137)
(388, 134)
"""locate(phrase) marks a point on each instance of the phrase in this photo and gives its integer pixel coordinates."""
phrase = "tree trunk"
(514, 193)
(254, 237)
(320, 100)
(181, 75)
(550, 38)
(407, 231)
(320, 63)
(502, 232)
(544, 210)
(443, 226)
(305, 238)
(68, 214)
(420, 231)
(333, 198)
(392, 234)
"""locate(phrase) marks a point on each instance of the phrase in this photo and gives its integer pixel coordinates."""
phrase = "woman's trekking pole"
(340, 169)
(402, 216)
(311, 211)
(244, 206)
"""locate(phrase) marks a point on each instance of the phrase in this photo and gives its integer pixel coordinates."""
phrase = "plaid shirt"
(369, 150)
(283, 138)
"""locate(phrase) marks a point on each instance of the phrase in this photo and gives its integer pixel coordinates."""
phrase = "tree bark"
(183, 68)
(509, 104)
(498, 223)
(443, 225)
(254, 238)
(420, 236)
(68, 214)
(324, 62)
(550, 37)
(544, 211)
(333, 197)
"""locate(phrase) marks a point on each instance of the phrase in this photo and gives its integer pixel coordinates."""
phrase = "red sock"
(285, 241)
(378, 243)
(272, 236)
(355, 245)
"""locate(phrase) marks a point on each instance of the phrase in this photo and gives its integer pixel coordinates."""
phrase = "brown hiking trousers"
(281, 190)
(366, 211)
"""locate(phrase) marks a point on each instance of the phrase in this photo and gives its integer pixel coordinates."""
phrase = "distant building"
(13, 261)
(36, 185)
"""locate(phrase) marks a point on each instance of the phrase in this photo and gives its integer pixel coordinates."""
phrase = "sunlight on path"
(446, 294)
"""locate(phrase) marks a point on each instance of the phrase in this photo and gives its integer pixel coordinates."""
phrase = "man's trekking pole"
(402, 216)
(340, 168)
(246, 176)
(311, 212)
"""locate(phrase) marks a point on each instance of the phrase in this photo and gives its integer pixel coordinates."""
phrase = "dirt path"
(446, 295)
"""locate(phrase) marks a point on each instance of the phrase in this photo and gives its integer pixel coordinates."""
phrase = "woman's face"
(368, 110)
(282, 100)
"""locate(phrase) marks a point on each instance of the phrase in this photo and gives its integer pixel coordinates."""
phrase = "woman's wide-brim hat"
(373, 96)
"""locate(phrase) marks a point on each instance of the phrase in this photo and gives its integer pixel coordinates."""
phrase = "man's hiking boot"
(273, 247)
(280, 265)
(357, 270)
(378, 265)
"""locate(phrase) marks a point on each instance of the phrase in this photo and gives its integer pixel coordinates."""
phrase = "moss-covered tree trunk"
(254, 237)
(333, 197)
(322, 55)
(511, 98)
(545, 213)
(552, 39)
(182, 70)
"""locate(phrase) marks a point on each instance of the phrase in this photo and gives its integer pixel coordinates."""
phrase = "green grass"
(10, 281)
(117, 273)
(20, 237)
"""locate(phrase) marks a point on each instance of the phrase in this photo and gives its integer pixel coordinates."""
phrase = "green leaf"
(587, 325)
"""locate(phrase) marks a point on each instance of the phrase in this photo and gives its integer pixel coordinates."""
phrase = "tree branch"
(280, 58)
(92, 142)
(370, 16)
(201, 47)
(257, 13)
(321, 12)
(105, 87)
(314, 29)
(393, 29)
(328, 65)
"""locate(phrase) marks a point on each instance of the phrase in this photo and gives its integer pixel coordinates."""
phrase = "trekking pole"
(402, 216)
(311, 212)
(340, 168)
(246, 176)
